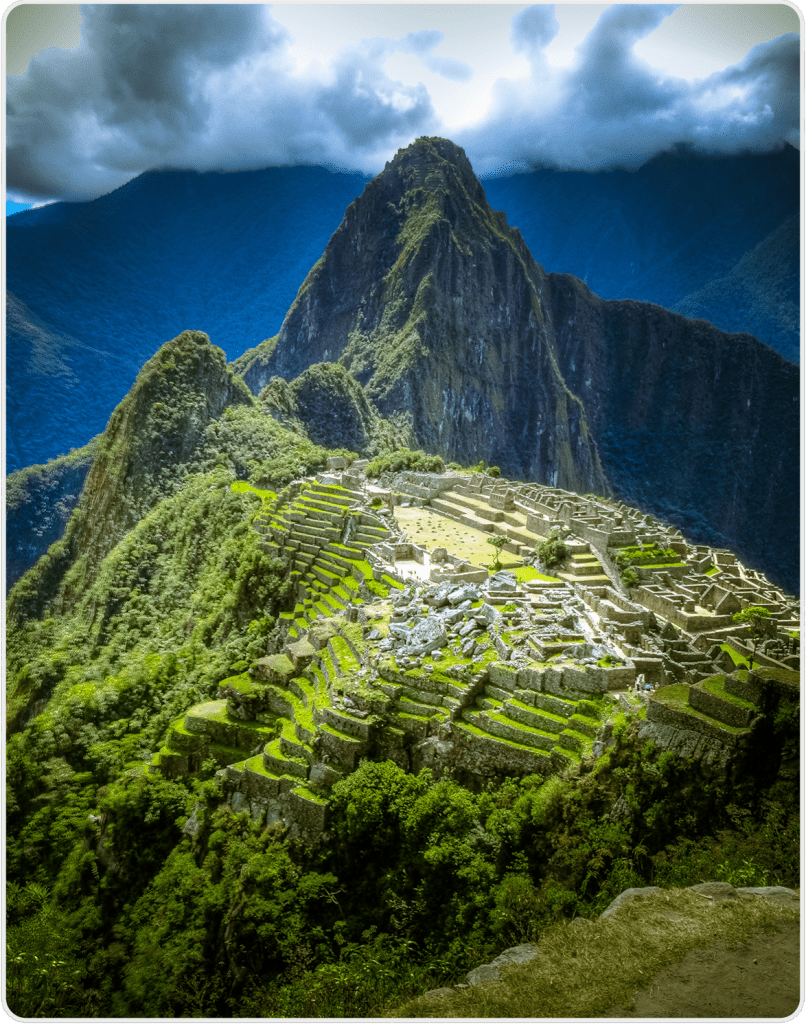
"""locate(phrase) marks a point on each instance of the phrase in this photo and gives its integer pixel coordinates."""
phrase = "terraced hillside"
(411, 652)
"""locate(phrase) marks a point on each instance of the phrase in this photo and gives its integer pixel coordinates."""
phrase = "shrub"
(405, 458)
(552, 551)
(498, 543)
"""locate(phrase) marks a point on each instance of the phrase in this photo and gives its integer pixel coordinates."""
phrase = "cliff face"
(39, 502)
(698, 426)
(435, 304)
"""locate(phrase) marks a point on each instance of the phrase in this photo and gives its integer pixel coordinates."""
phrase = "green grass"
(594, 969)
(242, 487)
(525, 573)
(676, 697)
(716, 686)
(736, 658)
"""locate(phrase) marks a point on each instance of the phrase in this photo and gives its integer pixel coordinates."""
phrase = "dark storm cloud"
(611, 108)
(197, 86)
(365, 104)
(214, 87)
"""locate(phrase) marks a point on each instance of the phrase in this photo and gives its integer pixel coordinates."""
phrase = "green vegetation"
(593, 970)
(649, 554)
(497, 541)
(552, 551)
(130, 894)
(405, 458)
(754, 617)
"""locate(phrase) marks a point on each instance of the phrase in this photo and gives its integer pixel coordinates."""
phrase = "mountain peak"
(429, 299)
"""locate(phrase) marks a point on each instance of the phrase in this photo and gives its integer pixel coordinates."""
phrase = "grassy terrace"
(676, 697)
(716, 686)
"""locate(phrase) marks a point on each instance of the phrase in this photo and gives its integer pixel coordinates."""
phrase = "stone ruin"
(397, 652)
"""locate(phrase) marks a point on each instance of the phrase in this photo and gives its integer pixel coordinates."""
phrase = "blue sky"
(97, 96)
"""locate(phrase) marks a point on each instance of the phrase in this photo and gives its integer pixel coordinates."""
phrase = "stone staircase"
(473, 510)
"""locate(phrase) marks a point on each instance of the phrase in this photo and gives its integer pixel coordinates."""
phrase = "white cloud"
(222, 86)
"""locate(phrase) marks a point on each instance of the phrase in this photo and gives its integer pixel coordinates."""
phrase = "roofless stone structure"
(403, 645)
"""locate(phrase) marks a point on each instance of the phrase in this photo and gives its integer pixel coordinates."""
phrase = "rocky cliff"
(699, 426)
(436, 305)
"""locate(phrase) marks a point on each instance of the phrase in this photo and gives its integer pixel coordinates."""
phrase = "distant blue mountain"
(663, 233)
(95, 288)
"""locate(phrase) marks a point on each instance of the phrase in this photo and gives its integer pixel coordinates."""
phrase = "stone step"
(331, 494)
(497, 724)
(506, 755)
(545, 721)
(466, 519)
(464, 508)
(572, 739)
(328, 562)
(279, 763)
(585, 568)
(342, 748)
(547, 702)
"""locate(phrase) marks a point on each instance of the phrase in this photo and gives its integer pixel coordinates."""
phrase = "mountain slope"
(666, 230)
(39, 503)
(104, 283)
(428, 298)
(699, 426)
(154, 431)
(108, 281)
(435, 304)
(760, 294)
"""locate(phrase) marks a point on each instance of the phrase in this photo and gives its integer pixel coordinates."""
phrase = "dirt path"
(759, 978)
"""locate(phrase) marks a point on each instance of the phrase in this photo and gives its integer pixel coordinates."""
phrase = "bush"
(552, 551)
(405, 458)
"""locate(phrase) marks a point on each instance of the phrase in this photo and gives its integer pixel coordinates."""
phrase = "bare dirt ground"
(759, 978)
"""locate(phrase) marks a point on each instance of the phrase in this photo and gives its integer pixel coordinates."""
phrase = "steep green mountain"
(187, 412)
(429, 299)
(432, 302)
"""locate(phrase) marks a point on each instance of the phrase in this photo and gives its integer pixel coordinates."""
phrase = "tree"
(754, 618)
(498, 542)
(552, 551)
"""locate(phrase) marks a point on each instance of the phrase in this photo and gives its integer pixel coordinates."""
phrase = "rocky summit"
(435, 304)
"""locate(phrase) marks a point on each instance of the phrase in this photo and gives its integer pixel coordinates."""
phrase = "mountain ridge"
(225, 253)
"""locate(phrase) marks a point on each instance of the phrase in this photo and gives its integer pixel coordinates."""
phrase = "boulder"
(502, 580)
(487, 973)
